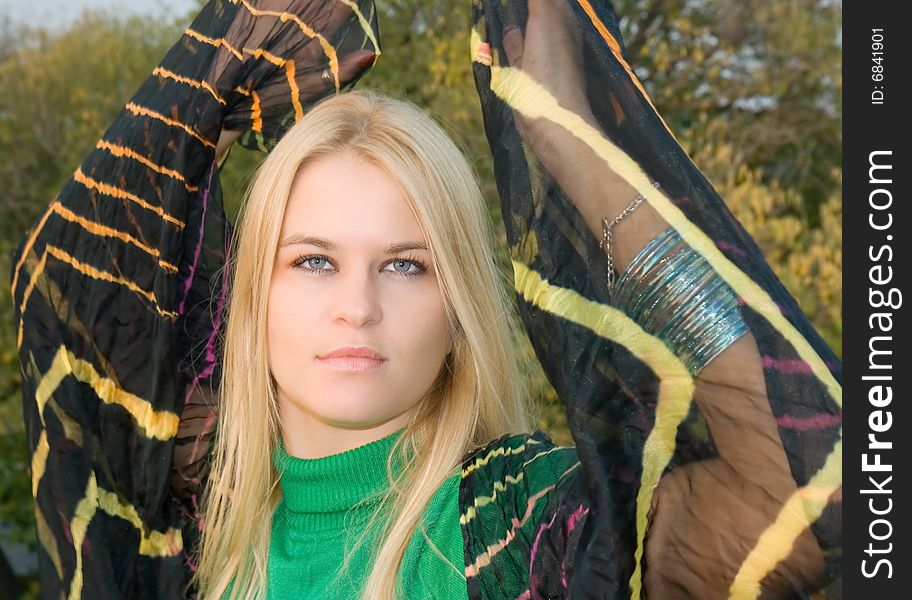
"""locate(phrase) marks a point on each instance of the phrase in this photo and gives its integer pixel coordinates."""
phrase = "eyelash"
(301, 262)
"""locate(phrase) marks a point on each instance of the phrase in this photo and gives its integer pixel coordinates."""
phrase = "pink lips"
(353, 358)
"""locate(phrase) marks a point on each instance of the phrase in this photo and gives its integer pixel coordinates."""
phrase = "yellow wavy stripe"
(616, 51)
(71, 429)
(166, 74)
(365, 24)
(116, 192)
(475, 42)
(328, 49)
(61, 307)
(293, 89)
(122, 151)
(33, 281)
(676, 386)
(152, 543)
(48, 542)
(82, 516)
(501, 486)
(269, 56)
(255, 114)
(39, 461)
(802, 508)
(94, 273)
(50, 381)
(159, 425)
(217, 42)
(500, 451)
(30, 243)
(145, 112)
(482, 501)
(484, 559)
(532, 100)
(105, 231)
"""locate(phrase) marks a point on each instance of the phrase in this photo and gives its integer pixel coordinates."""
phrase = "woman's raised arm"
(119, 290)
(694, 385)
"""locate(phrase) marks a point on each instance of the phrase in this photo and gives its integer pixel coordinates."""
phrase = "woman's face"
(352, 270)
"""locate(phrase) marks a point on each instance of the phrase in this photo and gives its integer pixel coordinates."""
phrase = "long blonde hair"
(480, 394)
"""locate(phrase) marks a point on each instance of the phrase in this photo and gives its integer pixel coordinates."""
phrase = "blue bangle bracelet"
(673, 293)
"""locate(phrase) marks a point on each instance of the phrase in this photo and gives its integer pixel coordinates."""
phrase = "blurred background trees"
(751, 88)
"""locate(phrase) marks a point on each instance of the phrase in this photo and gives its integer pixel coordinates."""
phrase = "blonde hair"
(481, 392)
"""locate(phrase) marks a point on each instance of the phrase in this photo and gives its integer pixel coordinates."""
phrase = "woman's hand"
(317, 84)
(553, 58)
(274, 59)
(550, 53)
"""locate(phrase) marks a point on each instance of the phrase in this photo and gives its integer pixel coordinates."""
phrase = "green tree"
(761, 75)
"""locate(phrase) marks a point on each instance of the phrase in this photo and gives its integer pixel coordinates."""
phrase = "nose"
(357, 298)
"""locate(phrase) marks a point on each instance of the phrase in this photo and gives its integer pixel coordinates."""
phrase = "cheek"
(423, 317)
(287, 320)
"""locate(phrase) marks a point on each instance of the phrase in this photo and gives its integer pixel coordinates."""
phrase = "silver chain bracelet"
(605, 243)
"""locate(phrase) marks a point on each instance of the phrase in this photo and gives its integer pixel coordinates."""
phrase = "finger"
(317, 83)
(513, 43)
(353, 64)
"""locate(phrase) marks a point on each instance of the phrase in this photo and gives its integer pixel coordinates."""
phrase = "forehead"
(347, 199)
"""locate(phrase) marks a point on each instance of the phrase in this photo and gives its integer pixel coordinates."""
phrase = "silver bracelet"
(673, 293)
(607, 226)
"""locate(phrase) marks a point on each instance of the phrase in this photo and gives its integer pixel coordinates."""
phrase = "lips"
(353, 358)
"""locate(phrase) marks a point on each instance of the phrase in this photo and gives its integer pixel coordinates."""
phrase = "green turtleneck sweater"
(317, 516)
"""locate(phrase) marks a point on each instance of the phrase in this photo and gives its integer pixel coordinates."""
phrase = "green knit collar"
(319, 490)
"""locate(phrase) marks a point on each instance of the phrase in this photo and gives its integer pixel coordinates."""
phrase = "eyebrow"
(327, 245)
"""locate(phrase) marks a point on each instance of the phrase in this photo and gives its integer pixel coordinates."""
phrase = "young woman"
(370, 435)
(372, 313)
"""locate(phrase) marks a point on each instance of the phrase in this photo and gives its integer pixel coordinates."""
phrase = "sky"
(53, 14)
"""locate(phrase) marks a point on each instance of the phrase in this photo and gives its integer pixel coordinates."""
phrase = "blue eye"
(320, 265)
(407, 263)
(311, 263)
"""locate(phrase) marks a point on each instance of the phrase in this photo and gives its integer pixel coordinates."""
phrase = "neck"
(305, 435)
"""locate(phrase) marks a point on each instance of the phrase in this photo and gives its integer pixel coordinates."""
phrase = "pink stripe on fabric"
(731, 248)
(788, 365)
(574, 518)
(210, 357)
(821, 421)
(542, 528)
(199, 242)
(489, 553)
